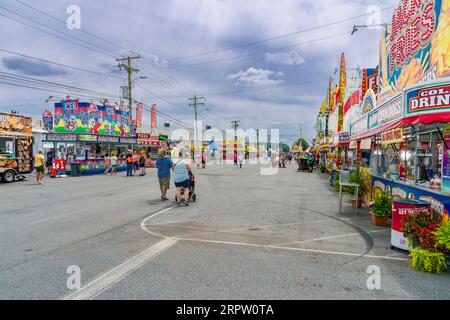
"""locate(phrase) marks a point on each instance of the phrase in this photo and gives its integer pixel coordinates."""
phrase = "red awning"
(427, 118)
(412, 120)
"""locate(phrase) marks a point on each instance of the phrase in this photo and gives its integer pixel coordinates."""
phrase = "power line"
(61, 21)
(64, 22)
(258, 52)
(269, 88)
(279, 36)
(61, 64)
(52, 34)
(161, 98)
(39, 81)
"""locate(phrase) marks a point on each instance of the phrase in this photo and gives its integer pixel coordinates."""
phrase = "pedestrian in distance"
(240, 160)
(141, 162)
(164, 164)
(39, 166)
(130, 164)
(50, 158)
(135, 161)
(181, 171)
(203, 160)
(113, 163)
(235, 159)
(107, 162)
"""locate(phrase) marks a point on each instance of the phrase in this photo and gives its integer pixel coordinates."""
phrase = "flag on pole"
(154, 126)
(139, 115)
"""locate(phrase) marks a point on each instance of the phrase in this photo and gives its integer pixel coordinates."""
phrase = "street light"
(356, 28)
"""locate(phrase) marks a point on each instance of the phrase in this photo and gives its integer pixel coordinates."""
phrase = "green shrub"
(382, 205)
(427, 261)
(442, 234)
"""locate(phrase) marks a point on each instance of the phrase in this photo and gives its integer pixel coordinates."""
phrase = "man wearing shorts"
(164, 164)
(39, 166)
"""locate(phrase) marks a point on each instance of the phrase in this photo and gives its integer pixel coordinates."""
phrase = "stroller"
(192, 194)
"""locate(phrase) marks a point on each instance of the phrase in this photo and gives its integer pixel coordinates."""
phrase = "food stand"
(410, 136)
(151, 145)
(15, 146)
(85, 133)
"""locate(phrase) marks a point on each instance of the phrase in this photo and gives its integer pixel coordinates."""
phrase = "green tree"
(303, 143)
(284, 147)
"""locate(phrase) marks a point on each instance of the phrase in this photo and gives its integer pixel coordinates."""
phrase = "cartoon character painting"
(94, 119)
(70, 123)
(70, 107)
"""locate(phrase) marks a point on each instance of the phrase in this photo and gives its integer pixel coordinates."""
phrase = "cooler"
(400, 209)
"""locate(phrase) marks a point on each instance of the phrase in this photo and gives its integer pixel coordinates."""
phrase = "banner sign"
(124, 140)
(139, 116)
(427, 100)
(369, 80)
(72, 116)
(392, 136)
(108, 139)
(359, 126)
(87, 138)
(143, 135)
(12, 123)
(153, 114)
(416, 49)
(386, 113)
(64, 137)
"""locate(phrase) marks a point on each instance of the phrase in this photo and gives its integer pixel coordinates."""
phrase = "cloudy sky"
(263, 62)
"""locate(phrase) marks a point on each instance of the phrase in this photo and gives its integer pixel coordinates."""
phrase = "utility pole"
(129, 69)
(196, 102)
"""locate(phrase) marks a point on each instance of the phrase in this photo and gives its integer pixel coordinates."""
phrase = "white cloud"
(290, 58)
(256, 77)
(155, 60)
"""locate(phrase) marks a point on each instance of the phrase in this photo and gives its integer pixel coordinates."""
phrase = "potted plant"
(431, 236)
(357, 176)
(323, 168)
(381, 209)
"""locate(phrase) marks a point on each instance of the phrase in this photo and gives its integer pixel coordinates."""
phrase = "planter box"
(359, 203)
(379, 221)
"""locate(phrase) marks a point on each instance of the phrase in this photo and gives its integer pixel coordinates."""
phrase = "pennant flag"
(154, 126)
(139, 116)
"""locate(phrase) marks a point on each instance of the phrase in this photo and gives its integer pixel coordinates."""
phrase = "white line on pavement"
(144, 222)
(47, 219)
(331, 237)
(108, 279)
(297, 249)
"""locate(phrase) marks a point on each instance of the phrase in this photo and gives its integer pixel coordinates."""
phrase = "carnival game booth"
(340, 147)
(410, 142)
(16, 145)
(88, 151)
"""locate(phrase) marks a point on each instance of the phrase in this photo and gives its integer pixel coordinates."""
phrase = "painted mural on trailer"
(73, 116)
(415, 47)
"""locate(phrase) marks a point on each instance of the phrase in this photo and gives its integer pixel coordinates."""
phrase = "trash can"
(400, 209)
(75, 169)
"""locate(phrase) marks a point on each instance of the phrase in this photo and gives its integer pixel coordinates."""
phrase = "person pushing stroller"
(184, 180)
